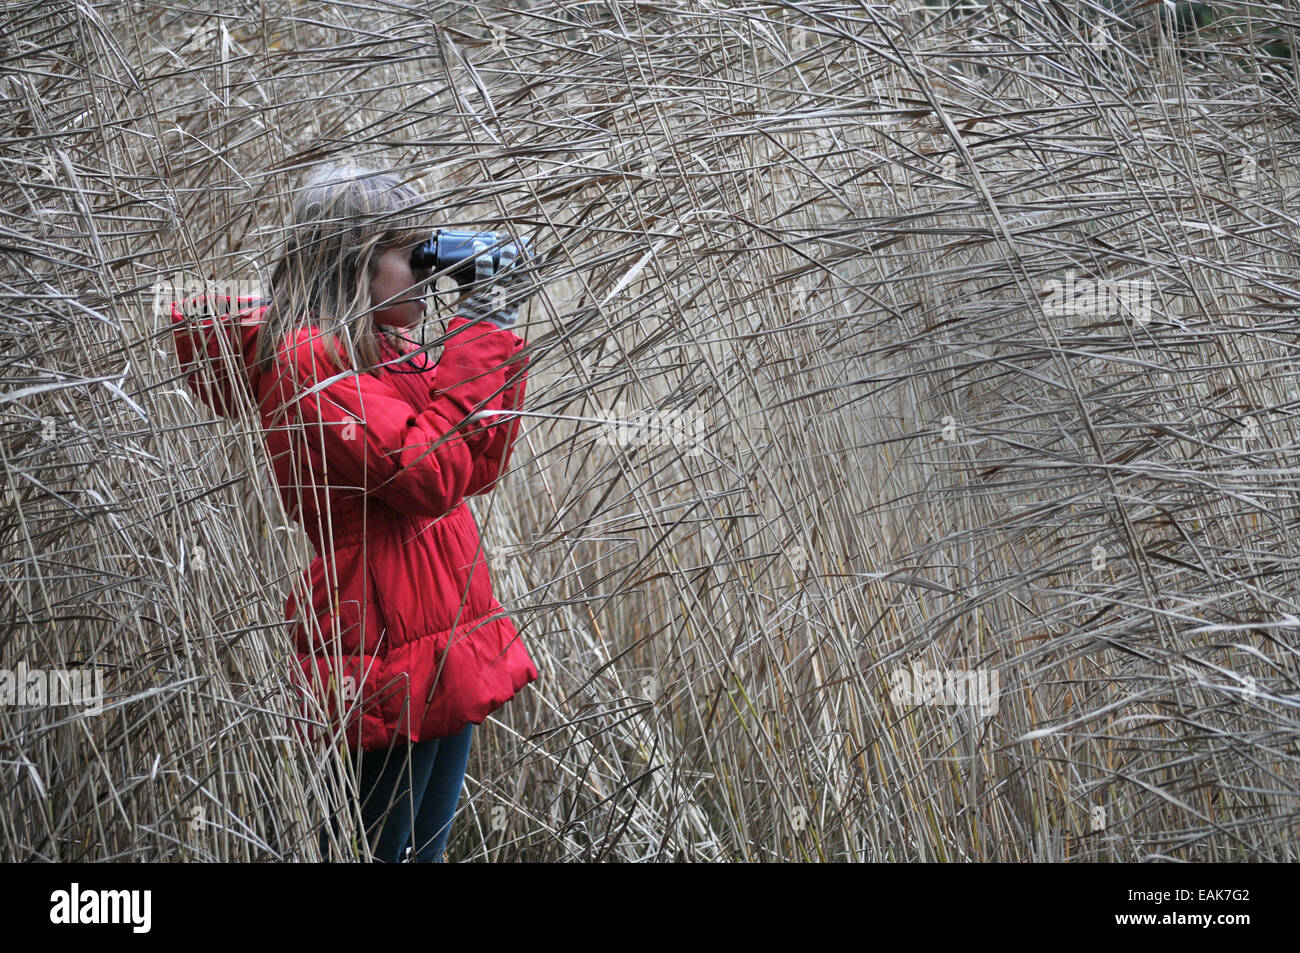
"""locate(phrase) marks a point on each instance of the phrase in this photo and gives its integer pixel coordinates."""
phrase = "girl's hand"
(501, 292)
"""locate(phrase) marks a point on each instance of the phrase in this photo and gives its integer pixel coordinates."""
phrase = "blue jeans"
(395, 788)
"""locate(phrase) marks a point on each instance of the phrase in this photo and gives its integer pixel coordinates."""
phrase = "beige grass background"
(820, 235)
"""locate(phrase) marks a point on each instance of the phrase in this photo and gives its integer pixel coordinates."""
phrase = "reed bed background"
(803, 413)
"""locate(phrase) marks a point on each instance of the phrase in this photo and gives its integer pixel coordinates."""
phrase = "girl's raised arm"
(491, 463)
(362, 434)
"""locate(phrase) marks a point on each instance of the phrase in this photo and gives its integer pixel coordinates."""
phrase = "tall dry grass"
(819, 238)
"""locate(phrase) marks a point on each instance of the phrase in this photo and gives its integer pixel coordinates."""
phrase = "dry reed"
(818, 242)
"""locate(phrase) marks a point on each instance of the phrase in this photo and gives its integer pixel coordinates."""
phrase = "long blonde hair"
(344, 218)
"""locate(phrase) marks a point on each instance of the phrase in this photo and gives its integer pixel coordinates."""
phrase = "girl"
(374, 454)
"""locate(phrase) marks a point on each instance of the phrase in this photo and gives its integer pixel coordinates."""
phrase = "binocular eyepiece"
(454, 251)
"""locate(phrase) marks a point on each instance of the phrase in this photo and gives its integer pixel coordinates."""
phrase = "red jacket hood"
(216, 338)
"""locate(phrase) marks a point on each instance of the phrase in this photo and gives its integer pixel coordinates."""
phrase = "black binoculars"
(454, 251)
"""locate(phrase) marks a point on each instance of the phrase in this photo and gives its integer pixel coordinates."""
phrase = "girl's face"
(394, 277)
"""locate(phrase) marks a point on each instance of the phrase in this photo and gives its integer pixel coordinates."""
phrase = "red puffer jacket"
(400, 589)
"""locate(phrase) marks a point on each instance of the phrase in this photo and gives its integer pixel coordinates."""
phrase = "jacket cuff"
(482, 327)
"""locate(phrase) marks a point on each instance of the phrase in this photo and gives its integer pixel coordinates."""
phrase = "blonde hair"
(344, 218)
